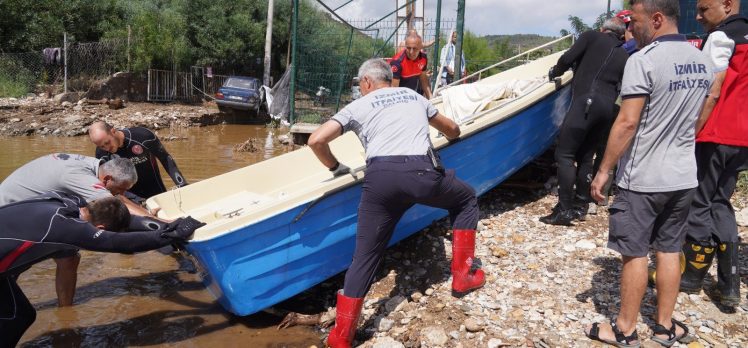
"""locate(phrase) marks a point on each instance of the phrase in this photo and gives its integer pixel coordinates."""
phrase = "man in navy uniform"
(402, 170)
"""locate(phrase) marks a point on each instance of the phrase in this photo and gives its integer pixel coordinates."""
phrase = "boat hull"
(262, 264)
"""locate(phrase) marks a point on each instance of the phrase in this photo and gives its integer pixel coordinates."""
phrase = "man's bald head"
(103, 135)
(413, 45)
(711, 13)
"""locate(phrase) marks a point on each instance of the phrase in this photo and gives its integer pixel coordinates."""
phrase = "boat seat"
(231, 206)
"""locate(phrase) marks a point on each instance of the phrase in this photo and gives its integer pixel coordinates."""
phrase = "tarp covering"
(278, 103)
(464, 102)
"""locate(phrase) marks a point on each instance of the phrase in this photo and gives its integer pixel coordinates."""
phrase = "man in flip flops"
(652, 140)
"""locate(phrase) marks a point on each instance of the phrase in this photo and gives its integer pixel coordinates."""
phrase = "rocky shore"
(544, 285)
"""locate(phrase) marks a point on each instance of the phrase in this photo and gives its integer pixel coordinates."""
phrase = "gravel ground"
(544, 285)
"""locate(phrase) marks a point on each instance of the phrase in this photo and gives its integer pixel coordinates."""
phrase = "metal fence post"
(65, 59)
(460, 37)
(292, 87)
(437, 51)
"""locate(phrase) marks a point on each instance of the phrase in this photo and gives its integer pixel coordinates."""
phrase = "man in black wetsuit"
(142, 147)
(599, 61)
(58, 222)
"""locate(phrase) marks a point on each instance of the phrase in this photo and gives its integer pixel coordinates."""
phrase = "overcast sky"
(487, 17)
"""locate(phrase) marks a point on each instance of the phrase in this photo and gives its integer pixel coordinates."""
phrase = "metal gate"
(166, 86)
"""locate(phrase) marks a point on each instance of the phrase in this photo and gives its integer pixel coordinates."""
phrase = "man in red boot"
(402, 169)
(721, 153)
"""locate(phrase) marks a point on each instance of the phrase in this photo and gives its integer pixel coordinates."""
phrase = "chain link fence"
(44, 71)
(330, 52)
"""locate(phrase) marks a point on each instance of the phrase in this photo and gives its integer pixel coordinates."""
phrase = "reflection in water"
(148, 298)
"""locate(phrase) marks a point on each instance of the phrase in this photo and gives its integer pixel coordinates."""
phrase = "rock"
(429, 292)
(472, 325)
(14, 120)
(742, 217)
(66, 104)
(679, 316)
(434, 336)
(495, 343)
(385, 325)
(585, 244)
(392, 304)
(705, 329)
(387, 342)
(69, 97)
(695, 345)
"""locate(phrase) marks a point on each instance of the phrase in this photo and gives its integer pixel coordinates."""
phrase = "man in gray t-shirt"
(402, 170)
(373, 116)
(77, 174)
(664, 86)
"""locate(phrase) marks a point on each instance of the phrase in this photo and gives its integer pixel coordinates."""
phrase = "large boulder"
(70, 97)
(116, 86)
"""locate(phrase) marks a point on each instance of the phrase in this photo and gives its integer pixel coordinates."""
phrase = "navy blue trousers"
(712, 217)
(391, 186)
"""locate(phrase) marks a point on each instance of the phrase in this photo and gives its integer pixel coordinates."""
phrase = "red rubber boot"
(347, 311)
(463, 252)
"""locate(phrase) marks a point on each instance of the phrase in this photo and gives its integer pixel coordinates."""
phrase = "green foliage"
(15, 80)
(33, 25)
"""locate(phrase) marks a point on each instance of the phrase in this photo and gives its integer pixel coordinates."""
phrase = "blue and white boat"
(281, 226)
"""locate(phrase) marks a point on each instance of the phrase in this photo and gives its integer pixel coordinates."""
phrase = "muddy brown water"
(149, 299)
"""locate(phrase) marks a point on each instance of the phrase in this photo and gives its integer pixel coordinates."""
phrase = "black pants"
(582, 135)
(16, 312)
(391, 186)
(712, 217)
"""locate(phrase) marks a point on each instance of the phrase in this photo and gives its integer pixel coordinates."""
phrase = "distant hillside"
(526, 41)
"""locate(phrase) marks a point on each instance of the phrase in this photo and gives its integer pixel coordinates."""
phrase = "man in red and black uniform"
(142, 147)
(57, 222)
(409, 67)
(721, 153)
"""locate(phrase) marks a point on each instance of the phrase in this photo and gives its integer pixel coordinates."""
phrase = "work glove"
(340, 169)
(550, 74)
(180, 230)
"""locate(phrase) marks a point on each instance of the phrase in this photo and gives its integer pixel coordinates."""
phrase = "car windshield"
(241, 83)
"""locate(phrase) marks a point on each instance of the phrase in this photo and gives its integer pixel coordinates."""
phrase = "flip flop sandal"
(672, 337)
(622, 341)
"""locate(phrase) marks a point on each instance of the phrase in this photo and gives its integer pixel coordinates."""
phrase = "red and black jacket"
(728, 122)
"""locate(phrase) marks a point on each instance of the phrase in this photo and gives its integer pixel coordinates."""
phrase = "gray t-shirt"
(675, 77)
(56, 172)
(392, 121)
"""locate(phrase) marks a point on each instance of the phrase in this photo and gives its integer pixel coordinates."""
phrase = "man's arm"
(319, 142)
(572, 54)
(449, 128)
(158, 149)
(425, 84)
(619, 140)
(82, 234)
(711, 100)
(395, 82)
(136, 209)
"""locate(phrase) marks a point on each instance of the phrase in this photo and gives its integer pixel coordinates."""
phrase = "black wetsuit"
(143, 147)
(39, 228)
(599, 61)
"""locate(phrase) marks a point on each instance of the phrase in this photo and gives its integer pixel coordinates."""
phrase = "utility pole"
(268, 45)
(460, 36)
